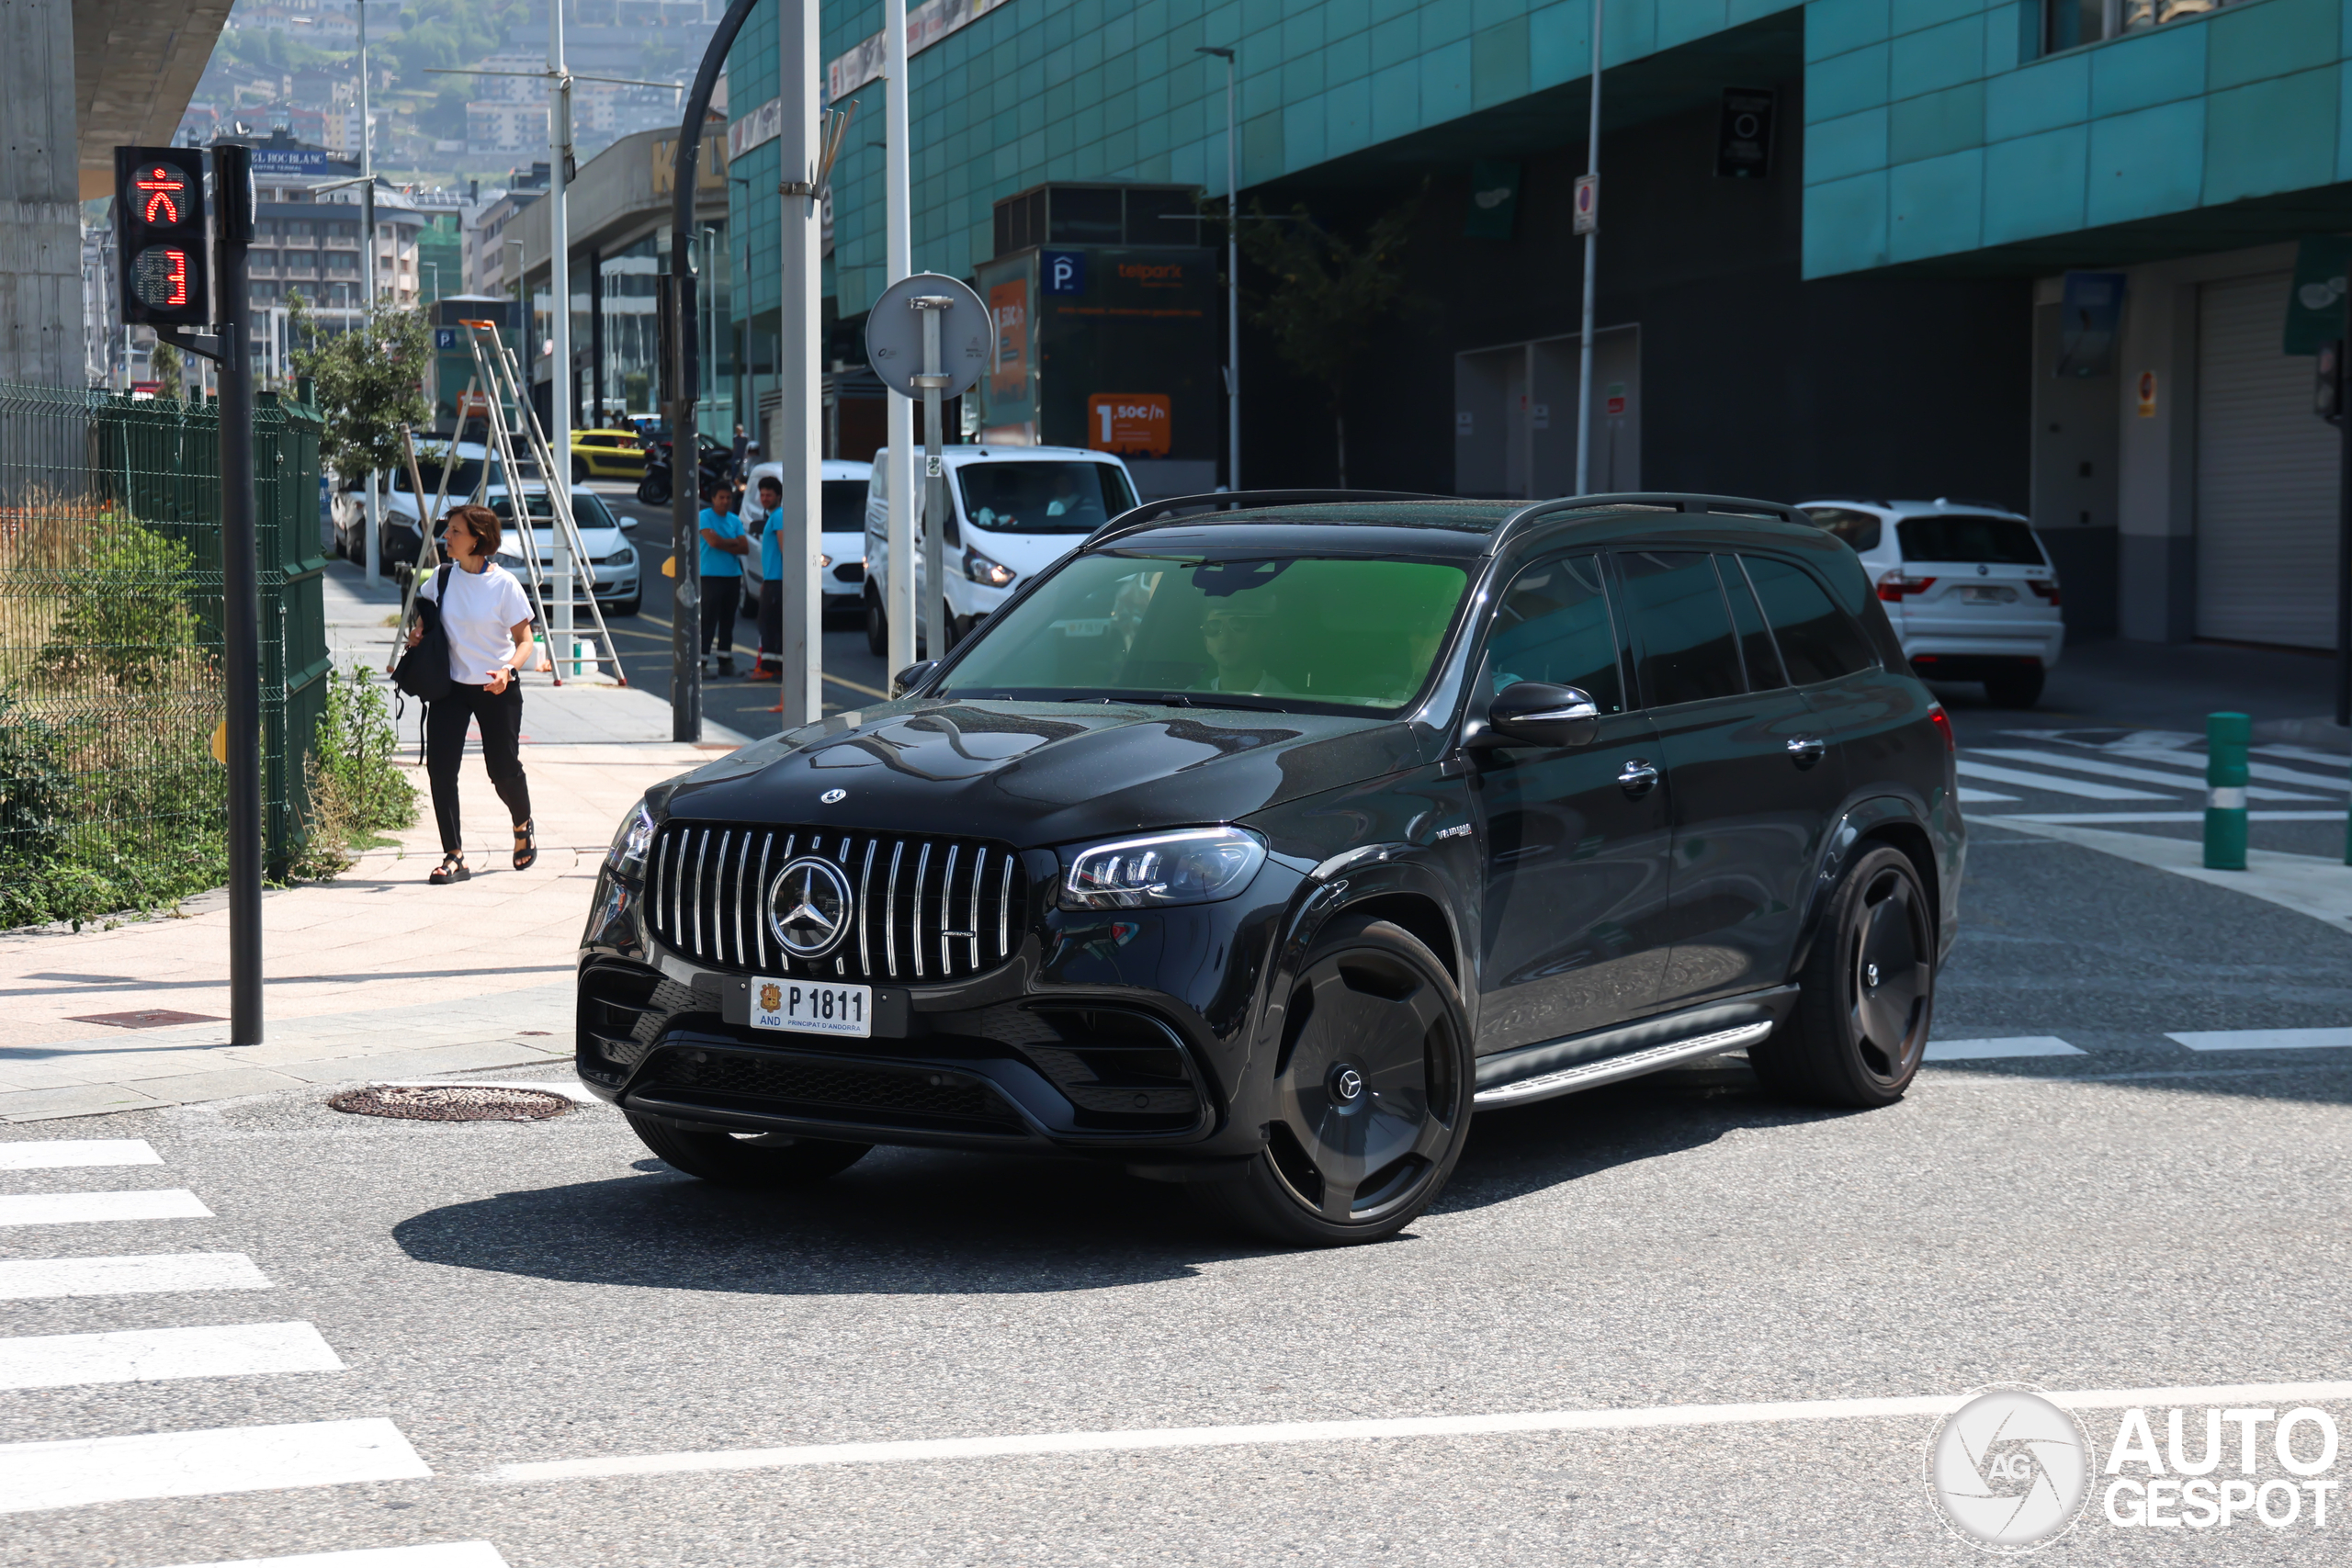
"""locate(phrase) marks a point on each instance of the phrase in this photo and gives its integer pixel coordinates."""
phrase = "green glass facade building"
(1871, 304)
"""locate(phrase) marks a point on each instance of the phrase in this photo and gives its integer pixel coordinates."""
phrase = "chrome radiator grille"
(923, 909)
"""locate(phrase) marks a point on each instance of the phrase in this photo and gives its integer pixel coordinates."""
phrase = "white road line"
(2260, 770)
(1356, 1431)
(2043, 781)
(2106, 768)
(88, 1208)
(1982, 797)
(35, 1279)
(82, 1471)
(455, 1554)
(2095, 817)
(57, 1154)
(1992, 1050)
(2265, 1039)
(160, 1355)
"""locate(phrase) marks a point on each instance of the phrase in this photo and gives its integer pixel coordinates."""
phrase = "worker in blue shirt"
(724, 546)
(769, 666)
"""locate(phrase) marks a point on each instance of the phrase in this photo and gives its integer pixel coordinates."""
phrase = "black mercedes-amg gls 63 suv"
(1267, 838)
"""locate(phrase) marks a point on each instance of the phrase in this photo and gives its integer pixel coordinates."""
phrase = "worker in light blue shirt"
(769, 665)
(724, 546)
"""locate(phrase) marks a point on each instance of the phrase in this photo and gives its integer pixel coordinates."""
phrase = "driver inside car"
(1237, 635)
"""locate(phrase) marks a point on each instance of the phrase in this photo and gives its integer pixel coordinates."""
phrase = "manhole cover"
(470, 1103)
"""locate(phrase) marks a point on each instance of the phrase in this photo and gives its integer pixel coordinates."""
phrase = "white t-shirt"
(480, 617)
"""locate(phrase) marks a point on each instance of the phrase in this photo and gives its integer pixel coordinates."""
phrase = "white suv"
(1970, 589)
(1013, 510)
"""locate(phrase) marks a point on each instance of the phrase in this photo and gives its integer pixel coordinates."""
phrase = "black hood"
(1038, 774)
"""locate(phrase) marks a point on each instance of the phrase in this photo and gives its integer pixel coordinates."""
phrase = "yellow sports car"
(606, 455)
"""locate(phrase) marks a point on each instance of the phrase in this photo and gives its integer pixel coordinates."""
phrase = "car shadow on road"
(915, 1222)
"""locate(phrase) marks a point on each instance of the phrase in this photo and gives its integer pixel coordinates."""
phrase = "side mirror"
(628, 524)
(1533, 713)
(913, 676)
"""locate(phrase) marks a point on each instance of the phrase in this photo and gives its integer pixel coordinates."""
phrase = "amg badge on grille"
(808, 907)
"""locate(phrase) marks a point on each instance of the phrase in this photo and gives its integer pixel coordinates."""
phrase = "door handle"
(1805, 750)
(1638, 778)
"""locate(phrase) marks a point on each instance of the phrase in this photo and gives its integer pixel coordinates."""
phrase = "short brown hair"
(482, 524)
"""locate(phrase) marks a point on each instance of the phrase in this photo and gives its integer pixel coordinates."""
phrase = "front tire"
(1865, 996)
(579, 470)
(754, 1162)
(877, 628)
(1371, 1095)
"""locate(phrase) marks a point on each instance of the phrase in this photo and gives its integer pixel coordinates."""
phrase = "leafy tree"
(1327, 294)
(163, 361)
(368, 382)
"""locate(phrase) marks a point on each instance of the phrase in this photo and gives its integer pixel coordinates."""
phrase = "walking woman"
(488, 619)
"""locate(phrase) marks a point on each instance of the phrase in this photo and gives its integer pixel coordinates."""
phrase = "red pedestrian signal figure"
(164, 189)
(159, 217)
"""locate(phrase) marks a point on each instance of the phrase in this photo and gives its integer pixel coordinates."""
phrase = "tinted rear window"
(1965, 536)
(1818, 641)
(1681, 627)
(1859, 530)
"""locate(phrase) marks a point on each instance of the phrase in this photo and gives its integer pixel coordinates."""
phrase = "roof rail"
(1226, 500)
(1673, 500)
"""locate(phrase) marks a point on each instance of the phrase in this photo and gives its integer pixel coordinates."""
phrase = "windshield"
(463, 478)
(1288, 631)
(845, 502)
(1962, 536)
(1042, 497)
(587, 510)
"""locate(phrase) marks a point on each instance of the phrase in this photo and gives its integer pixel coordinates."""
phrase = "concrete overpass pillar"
(41, 223)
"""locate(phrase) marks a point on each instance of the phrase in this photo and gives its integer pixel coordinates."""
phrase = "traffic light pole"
(239, 586)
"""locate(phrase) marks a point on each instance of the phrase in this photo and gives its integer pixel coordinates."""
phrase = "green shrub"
(357, 790)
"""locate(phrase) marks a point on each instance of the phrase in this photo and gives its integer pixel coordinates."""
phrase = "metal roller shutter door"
(2266, 476)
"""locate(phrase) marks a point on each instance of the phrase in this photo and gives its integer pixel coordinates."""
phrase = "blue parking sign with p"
(1064, 272)
(444, 337)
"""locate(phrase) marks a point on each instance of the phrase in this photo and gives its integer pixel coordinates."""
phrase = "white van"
(841, 522)
(1968, 586)
(1013, 510)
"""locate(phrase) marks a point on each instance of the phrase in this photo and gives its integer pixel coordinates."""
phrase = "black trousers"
(772, 621)
(722, 601)
(500, 717)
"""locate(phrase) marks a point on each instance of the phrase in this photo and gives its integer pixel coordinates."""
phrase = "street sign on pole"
(929, 336)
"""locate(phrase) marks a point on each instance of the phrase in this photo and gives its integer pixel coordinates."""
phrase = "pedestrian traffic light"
(159, 230)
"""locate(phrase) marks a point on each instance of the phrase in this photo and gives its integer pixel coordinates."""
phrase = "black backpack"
(423, 671)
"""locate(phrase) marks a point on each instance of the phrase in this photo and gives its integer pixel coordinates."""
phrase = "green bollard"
(2227, 736)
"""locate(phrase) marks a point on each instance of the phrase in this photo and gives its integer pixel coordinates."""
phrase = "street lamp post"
(370, 544)
(898, 250)
(1232, 282)
(1591, 253)
(558, 427)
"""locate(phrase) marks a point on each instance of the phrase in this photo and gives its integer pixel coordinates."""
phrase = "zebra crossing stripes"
(158, 1273)
(453, 1554)
(1971, 769)
(1997, 1050)
(95, 1208)
(62, 1154)
(2263, 1039)
(158, 1355)
(84, 1471)
(2104, 768)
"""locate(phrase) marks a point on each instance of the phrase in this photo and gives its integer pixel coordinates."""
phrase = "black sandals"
(451, 869)
(526, 849)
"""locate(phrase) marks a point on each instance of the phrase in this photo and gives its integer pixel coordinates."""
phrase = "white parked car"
(612, 565)
(1970, 589)
(843, 524)
(1015, 511)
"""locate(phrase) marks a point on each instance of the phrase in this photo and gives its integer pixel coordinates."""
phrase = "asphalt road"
(2120, 1211)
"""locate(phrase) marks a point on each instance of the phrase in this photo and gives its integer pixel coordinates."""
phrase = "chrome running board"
(1612, 1069)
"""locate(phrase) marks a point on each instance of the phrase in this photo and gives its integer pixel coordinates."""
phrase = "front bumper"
(1071, 1046)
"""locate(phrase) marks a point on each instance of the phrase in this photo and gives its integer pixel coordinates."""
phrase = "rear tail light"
(2046, 588)
(1895, 587)
(1943, 721)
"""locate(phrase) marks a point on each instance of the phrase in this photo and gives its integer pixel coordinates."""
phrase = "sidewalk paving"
(376, 973)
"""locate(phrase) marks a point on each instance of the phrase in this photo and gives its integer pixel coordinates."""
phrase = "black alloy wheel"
(1866, 993)
(753, 1161)
(1371, 1094)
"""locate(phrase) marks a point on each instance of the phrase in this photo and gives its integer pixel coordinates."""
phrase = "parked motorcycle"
(653, 489)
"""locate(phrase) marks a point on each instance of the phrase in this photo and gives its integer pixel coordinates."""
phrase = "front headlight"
(631, 842)
(1195, 865)
(986, 573)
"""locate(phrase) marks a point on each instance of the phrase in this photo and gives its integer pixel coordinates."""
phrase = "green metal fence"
(110, 646)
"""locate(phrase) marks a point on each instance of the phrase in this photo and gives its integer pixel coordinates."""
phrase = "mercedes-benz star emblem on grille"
(833, 796)
(808, 907)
